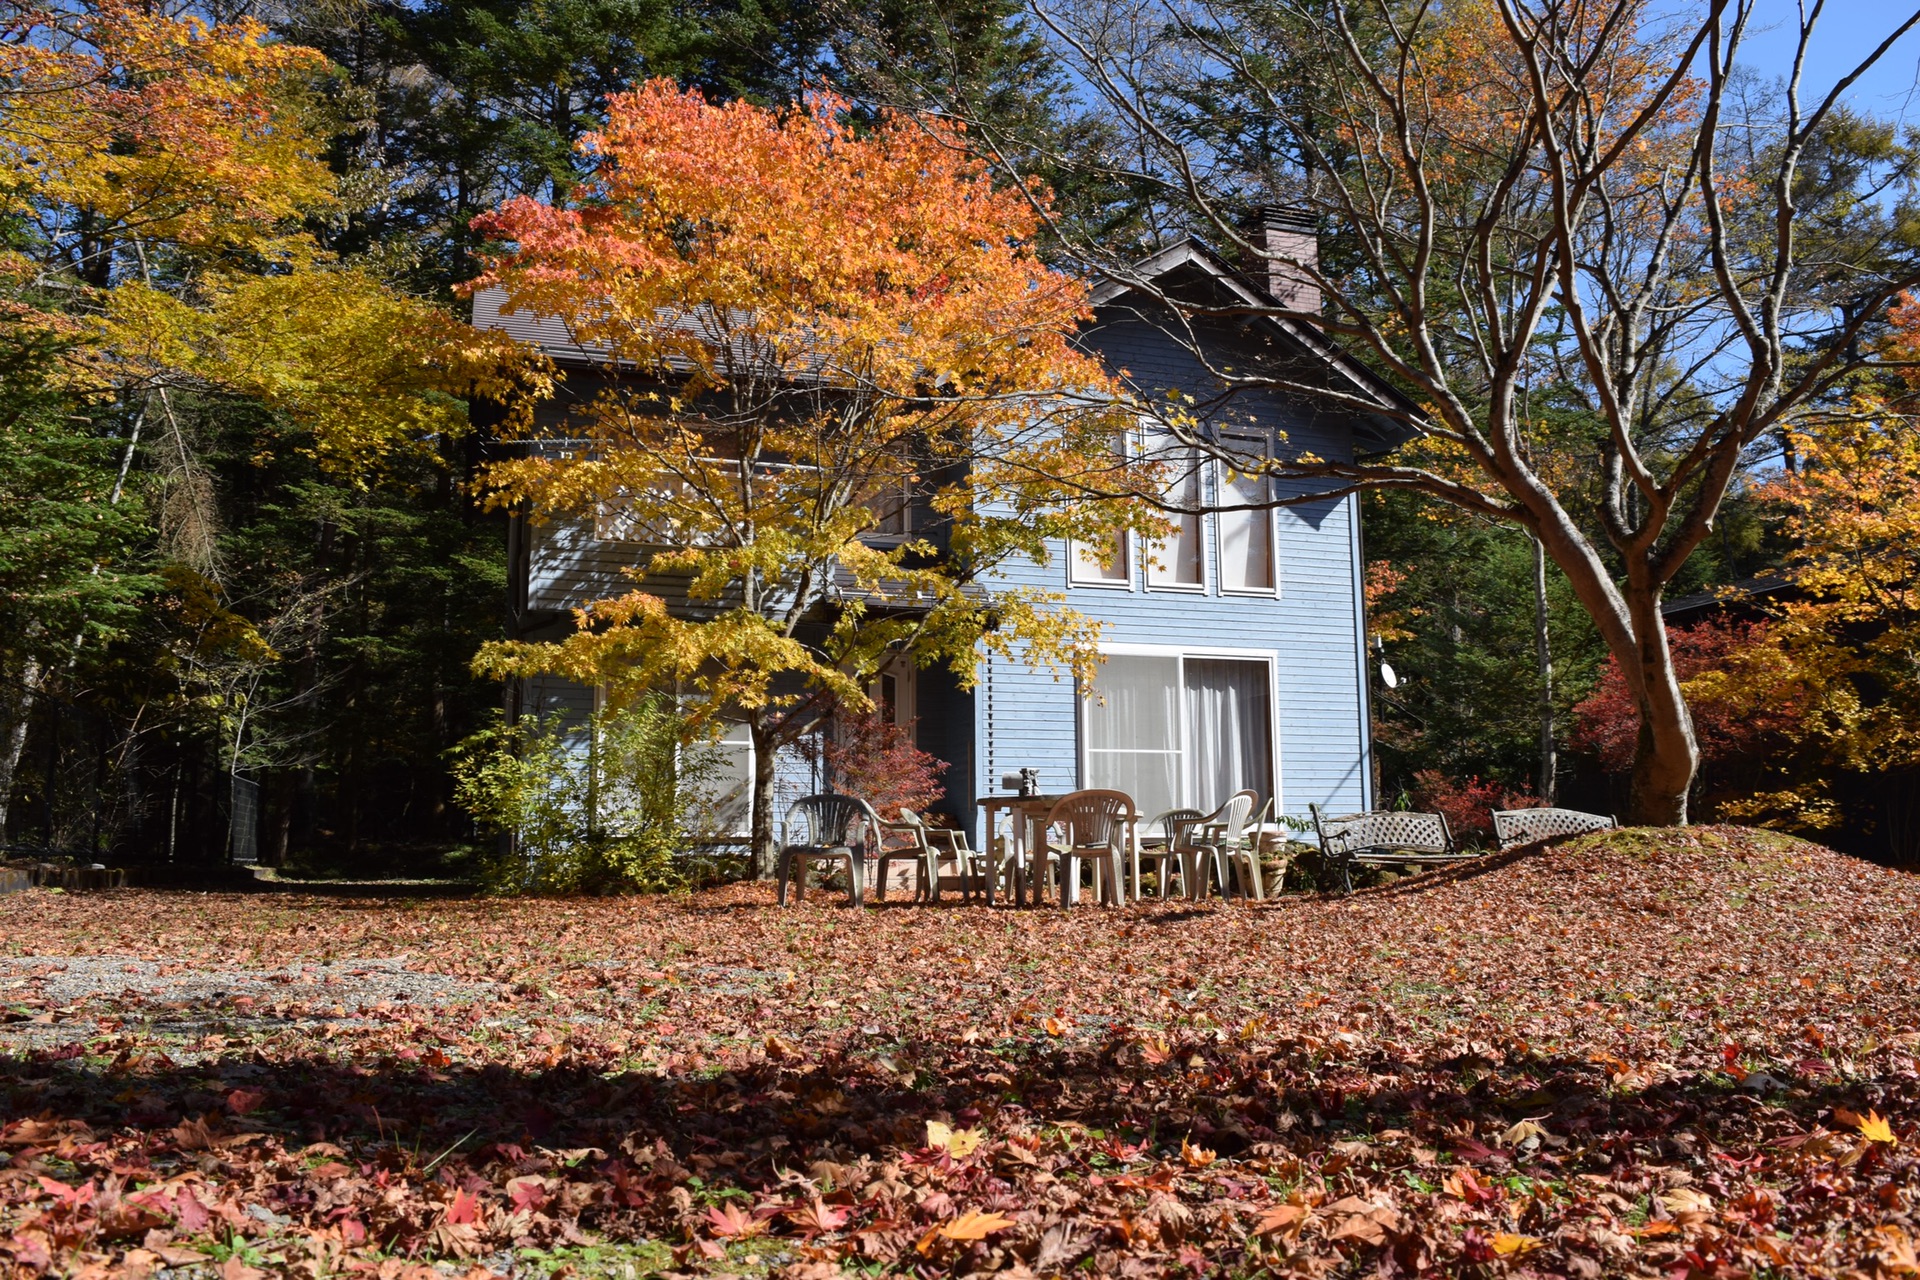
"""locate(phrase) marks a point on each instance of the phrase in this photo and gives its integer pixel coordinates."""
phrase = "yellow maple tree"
(849, 390)
(168, 169)
(125, 129)
(1852, 633)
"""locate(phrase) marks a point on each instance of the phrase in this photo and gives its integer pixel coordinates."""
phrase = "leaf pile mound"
(1679, 1054)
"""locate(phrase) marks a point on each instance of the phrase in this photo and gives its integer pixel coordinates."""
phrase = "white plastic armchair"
(1098, 824)
(1242, 853)
(949, 860)
(1172, 851)
(1222, 832)
(832, 828)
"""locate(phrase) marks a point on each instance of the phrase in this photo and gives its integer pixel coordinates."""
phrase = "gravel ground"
(67, 979)
(49, 1001)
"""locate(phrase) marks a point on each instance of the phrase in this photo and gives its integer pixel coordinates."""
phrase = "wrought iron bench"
(1383, 838)
(1513, 827)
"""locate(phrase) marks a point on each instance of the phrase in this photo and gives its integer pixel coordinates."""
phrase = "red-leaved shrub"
(1468, 805)
(878, 761)
(1736, 711)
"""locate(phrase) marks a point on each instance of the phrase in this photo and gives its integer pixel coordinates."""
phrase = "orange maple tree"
(849, 390)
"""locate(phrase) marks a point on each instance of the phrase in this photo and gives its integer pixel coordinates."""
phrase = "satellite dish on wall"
(1387, 676)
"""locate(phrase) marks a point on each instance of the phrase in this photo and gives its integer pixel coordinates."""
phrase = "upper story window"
(1103, 564)
(1176, 562)
(1108, 563)
(1245, 526)
(892, 509)
(697, 512)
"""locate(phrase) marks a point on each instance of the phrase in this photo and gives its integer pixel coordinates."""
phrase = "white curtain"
(1246, 534)
(1229, 730)
(1176, 560)
(1133, 731)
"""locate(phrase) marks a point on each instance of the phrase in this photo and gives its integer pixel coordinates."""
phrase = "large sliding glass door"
(1180, 730)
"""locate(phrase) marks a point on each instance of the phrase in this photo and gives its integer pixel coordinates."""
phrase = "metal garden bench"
(1514, 827)
(1383, 838)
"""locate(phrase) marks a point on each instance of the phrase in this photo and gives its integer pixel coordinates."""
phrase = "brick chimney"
(1282, 235)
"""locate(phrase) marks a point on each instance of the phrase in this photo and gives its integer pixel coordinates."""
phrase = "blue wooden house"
(1235, 651)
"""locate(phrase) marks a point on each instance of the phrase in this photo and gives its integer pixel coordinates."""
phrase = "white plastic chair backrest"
(1178, 825)
(830, 820)
(1233, 815)
(1093, 818)
(1256, 825)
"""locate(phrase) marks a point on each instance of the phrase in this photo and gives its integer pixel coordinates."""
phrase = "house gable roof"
(1189, 262)
(1174, 265)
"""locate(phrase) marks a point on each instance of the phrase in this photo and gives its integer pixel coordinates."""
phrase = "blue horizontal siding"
(1024, 716)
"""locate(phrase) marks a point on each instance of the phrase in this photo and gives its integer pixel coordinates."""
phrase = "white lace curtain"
(1228, 730)
(1135, 738)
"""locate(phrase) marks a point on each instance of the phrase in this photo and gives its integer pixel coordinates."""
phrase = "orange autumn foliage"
(166, 169)
(822, 321)
(118, 122)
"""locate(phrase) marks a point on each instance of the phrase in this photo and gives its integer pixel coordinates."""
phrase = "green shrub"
(620, 804)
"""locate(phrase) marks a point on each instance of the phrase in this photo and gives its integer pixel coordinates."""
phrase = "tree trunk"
(1628, 616)
(764, 748)
(13, 735)
(1666, 756)
(1543, 658)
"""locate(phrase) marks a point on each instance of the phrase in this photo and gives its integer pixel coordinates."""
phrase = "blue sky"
(1848, 30)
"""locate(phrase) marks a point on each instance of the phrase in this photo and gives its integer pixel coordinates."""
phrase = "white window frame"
(1182, 653)
(879, 537)
(1200, 539)
(745, 748)
(1079, 568)
(906, 691)
(606, 519)
(1222, 485)
(1129, 576)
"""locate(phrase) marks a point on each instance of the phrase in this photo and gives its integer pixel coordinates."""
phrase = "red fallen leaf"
(463, 1209)
(817, 1218)
(1472, 1149)
(29, 1249)
(730, 1221)
(1468, 1187)
(71, 1197)
(191, 1214)
(241, 1101)
(528, 1192)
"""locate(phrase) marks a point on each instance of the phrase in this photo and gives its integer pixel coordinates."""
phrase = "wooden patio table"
(1029, 816)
